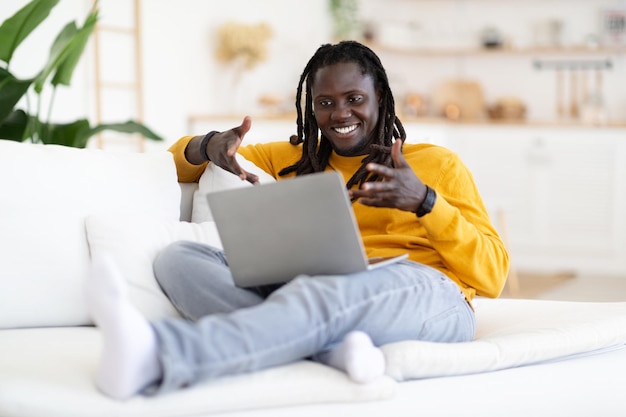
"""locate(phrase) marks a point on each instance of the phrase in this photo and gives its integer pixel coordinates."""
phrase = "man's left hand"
(400, 188)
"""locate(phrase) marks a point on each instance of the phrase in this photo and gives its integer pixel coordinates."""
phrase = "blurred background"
(536, 61)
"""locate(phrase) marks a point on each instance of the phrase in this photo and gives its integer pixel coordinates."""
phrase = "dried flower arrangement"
(245, 42)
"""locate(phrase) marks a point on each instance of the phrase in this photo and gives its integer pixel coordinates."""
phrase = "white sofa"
(59, 205)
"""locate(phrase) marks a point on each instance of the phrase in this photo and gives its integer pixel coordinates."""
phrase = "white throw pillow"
(512, 333)
(46, 192)
(133, 242)
(214, 179)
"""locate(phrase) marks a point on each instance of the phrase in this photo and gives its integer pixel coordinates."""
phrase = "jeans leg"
(309, 315)
(198, 282)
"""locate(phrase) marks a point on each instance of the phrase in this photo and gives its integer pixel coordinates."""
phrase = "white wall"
(181, 75)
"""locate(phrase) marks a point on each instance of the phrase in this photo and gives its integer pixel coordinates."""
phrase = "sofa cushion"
(50, 372)
(46, 192)
(214, 179)
(133, 242)
(512, 333)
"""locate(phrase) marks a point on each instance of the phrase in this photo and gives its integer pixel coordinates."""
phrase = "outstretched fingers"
(236, 139)
(240, 131)
(396, 155)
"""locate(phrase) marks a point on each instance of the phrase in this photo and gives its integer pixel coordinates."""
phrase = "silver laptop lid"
(275, 232)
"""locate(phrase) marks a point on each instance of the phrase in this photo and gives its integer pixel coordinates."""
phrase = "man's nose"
(342, 112)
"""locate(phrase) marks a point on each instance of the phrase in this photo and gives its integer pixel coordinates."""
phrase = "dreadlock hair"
(316, 152)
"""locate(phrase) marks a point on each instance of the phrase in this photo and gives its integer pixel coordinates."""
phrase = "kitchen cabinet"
(562, 190)
(546, 55)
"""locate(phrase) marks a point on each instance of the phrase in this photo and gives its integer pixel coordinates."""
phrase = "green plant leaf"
(67, 134)
(66, 52)
(60, 48)
(17, 27)
(127, 127)
(78, 133)
(74, 51)
(11, 91)
(14, 126)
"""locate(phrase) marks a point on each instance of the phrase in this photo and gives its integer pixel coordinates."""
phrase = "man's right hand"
(222, 150)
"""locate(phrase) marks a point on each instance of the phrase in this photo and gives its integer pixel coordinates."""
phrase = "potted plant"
(27, 124)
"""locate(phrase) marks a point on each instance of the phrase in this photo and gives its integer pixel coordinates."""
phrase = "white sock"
(357, 356)
(129, 360)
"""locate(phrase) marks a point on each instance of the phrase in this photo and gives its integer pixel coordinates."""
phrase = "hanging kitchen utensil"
(573, 109)
(584, 86)
(600, 109)
(560, 91)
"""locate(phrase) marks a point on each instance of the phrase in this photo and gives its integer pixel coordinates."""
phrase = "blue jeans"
(232, 330)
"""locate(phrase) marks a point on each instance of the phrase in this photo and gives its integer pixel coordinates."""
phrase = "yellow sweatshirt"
(457, 237)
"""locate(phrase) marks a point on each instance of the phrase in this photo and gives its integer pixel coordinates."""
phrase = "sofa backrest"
(186, 200)
(46, 193)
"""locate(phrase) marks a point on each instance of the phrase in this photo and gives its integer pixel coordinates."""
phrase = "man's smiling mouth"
(345, 130)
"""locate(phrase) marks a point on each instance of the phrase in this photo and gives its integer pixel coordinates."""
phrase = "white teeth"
(344, 130)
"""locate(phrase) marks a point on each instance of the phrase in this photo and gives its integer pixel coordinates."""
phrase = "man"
(416, 199)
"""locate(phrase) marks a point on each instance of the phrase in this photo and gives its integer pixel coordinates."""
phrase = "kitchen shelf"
(503, 51)
(511, 122)
(288, 117)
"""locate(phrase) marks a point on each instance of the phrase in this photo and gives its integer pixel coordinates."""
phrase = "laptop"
(273, 232)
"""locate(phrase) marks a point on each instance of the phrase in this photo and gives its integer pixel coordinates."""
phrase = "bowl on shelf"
(507, 108)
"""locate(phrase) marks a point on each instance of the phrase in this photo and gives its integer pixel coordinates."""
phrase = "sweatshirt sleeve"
(460, 230)
(186, 171)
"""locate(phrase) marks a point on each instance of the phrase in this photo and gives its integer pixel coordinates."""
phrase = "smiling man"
(345, 102)
(408, 198)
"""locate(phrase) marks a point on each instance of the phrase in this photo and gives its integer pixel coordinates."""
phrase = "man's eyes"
(351, 99)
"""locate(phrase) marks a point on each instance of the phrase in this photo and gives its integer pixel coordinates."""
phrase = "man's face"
(346, 105)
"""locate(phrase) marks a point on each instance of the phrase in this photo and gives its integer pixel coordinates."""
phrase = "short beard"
(361, 149)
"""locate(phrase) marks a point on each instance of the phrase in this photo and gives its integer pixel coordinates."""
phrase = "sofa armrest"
(186, 199)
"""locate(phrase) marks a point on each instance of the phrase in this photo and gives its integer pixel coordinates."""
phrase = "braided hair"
(316, 152)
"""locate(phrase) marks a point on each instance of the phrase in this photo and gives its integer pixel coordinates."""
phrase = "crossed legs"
(338, 320)
(131, 358)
